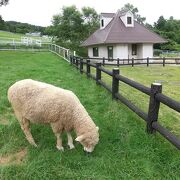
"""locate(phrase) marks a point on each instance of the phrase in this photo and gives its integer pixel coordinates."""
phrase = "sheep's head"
(89, 140)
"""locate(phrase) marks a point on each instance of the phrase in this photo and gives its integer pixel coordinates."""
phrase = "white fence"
(61, 51)
(27, 45)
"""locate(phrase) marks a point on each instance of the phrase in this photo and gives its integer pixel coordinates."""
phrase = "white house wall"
(120, 51)
(140, 51)
(103, 51)
(124, 51)
(90, 52)
(147, 50)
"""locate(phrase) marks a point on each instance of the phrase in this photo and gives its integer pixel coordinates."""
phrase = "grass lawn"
(125, 151)
(5, 35)
(168, 76)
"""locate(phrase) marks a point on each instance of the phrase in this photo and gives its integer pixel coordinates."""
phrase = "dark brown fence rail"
(155, 94)
(134, 62)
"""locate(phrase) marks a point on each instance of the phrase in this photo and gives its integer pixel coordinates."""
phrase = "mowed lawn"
(125, 150)
(168, 76)
(5, 36)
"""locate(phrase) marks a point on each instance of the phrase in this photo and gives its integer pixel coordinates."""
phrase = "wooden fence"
(155, 96)
(133, 62)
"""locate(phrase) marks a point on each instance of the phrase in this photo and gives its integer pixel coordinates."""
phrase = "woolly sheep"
(38, 102)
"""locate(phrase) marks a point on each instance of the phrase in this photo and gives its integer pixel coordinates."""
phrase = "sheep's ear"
(97, 128)
(79, 138)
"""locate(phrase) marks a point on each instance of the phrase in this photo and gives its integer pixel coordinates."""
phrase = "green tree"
(135, 11)
(72, 26)
(2, 24)
(169, 29)
(68, 25)
(160, 24)
(91, 20)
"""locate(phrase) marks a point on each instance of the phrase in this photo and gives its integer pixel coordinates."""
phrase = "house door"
(110, 52)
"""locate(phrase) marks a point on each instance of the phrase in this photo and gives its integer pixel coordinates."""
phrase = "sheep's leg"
(59, 142)
(70, 141)
(25, 127)
(55, 127)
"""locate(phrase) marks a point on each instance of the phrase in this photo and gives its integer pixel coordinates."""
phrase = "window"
(129, 20)
(134, 49)
(110, 52)
(95, 52)
(102, 22)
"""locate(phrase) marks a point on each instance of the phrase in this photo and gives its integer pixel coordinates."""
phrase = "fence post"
(132, 62)
(154, 105)
(81, 65)
(74, 59)
(88, 68)
(71, 60)
(103, 61)
(118, 62)
(77, 63)
(147, 61)
(164, 61)
(115, 83)
(98, 73)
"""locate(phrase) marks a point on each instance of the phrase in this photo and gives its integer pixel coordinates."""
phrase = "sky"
(40, 12)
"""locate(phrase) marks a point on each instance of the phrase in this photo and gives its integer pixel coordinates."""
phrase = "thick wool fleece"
(44, 103)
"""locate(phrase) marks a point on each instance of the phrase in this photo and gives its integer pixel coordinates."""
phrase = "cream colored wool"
(38, 102)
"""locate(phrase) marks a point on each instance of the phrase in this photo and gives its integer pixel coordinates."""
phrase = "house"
(120, 36)
(35, 34)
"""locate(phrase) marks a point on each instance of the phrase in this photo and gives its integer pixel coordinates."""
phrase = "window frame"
(134, 49)
(129, 20)
(95, 51)
(108, 49)
(102, 22)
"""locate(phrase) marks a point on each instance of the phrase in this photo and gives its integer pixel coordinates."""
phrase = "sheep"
(38, 102)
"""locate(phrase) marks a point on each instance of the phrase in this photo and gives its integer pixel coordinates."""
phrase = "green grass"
(9, 36)
(6, 34)
(125, 151)
(168, 76)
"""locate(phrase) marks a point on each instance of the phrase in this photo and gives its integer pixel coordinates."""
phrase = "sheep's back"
(40, 102)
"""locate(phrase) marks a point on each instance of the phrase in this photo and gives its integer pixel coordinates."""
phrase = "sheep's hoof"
(34, 144)
(71, 146)
(60, 148)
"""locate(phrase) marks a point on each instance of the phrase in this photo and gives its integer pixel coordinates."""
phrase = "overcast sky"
(40, 12)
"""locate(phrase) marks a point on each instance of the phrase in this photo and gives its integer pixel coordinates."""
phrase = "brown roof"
(117, 32)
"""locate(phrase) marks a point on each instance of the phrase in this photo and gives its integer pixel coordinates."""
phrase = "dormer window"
(102, 22)
(129, 20)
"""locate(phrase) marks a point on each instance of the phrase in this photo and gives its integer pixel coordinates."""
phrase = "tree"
(160, 24)
(2, 24)
(3, 2)
(72, 26)
(169, 29)
(91, 19)
(134, 10)
(68, 25)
